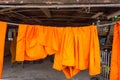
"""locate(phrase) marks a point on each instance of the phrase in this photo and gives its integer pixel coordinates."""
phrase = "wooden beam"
(28, 10)
(6, 9)
(71, 9)
(108, 41)
(63, 23)
(57, 19)
(56, 1)
(46, 12)
(55, 10)
(7, 17)
(113, 14)
(21, 17)
(63, 16)
(26, 17)
(97, 15)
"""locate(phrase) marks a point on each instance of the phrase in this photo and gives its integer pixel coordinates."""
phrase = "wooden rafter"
(46, 12)
(60, 10)
(117, 13)
(97, 15)
(6, 9)
(26, 17)
(62, 16)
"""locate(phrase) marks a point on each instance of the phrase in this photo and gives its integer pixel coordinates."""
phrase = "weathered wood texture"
(60, 17)
(57, 1)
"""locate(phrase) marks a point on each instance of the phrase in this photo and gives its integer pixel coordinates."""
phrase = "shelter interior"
(59, 17)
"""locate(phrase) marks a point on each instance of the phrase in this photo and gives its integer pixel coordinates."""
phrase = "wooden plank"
(56, 1)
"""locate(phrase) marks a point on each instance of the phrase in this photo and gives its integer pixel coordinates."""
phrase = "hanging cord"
(60, 6)
(104, 25)
(98, 25)
(15, 24)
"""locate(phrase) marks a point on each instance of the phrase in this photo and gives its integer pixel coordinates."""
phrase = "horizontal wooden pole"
(57, 1)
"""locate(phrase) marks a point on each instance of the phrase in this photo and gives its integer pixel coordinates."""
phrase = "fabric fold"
(21, 42)
(79, 50)
(75, 48)
(35, 42)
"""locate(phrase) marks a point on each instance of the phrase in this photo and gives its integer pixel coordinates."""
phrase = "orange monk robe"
(50, 40)
(79, 51)
(34, 49)
(35, 42)
(94, 57)
(21, 42)
(64, 59)
(115, 59)
(28, 43)
(3, 27)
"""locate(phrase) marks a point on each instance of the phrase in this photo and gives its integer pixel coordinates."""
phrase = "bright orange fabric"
(115, 61)
(35, 42)
(94, 57)
(34, 50)
(21, 40)
(3, 27)
(79, 51)
(76, 48)
(50, 39)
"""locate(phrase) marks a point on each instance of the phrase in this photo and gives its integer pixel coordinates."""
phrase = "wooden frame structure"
(58, 1)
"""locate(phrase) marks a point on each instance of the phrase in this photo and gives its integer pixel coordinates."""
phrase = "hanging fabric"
(75, 48)
(115, 60)
(79, 51)
(35, 42)
(20, 48)
(3, 27)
